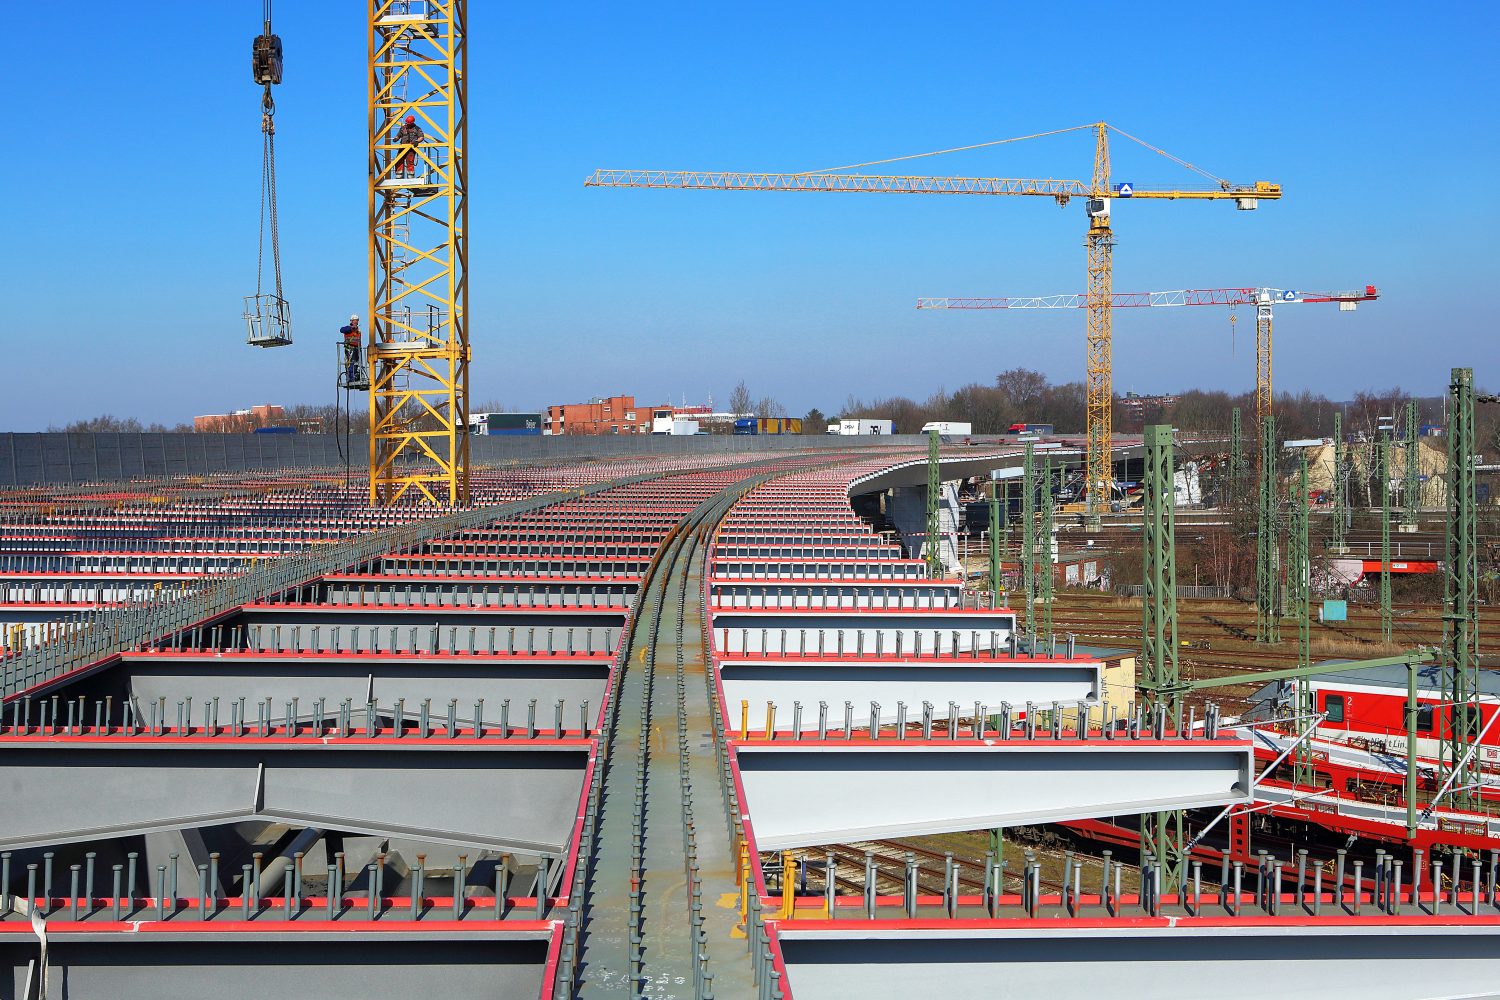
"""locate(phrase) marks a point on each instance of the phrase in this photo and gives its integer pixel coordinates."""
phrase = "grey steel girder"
(362, 679)
(805, 793)
(1373, 959)
(964, 682)
(183, 965)
(511, 795)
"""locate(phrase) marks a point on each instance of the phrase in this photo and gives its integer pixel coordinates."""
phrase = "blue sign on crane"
(1125, 190)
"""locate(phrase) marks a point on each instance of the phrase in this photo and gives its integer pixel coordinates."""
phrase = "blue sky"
(131, 232)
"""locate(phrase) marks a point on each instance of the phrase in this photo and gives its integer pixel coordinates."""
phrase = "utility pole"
(1386, 623)
(1162, 832)
(1338, 545)
(995, 568)
(934, 526)
(1047, 570)
(1267, 627)
(1299, 581)
(1028, 539)
(1411, 494)
(1461, 596)
(1236, 456)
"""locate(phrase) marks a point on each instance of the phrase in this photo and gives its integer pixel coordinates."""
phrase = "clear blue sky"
(131, 231)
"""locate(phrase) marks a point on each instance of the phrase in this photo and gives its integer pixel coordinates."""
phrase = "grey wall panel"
(31, 458)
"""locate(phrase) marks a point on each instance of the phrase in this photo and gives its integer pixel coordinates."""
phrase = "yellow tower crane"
(1097, 192)
(418, 252)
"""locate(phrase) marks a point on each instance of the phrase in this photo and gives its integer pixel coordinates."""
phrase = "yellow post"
(788, 884)
(770, 720)
(744, 719)
(744, 878)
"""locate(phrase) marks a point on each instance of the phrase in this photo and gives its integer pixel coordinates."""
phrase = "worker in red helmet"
(353, 371)
(410, 135)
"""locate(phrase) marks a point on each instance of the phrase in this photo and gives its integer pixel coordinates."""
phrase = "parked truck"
(860, 425)
(1040, 430)
(948, 427)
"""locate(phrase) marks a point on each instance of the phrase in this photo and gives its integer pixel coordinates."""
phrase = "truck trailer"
(948, 427)
(860, 425)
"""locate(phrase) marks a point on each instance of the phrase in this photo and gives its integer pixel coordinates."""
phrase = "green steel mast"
(995, 568)
(1299, 583)
(1338, 543)
(934, 545)
(1411, 493)
(1162, 832)
(1461, 596)
(1028, 540)
(1267, 627)
(1386, 621)
(1046, 569)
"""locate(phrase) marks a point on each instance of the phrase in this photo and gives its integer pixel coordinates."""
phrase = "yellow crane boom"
(1097, 193)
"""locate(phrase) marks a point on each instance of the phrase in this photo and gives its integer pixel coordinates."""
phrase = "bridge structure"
(630, 728)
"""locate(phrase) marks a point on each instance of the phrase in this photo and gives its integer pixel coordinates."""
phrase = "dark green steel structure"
(1162, 833)
(1461, 597)
(934, 544)
(1267, 554)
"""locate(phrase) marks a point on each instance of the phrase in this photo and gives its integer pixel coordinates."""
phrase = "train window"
(1333, 704)
(1424, 718)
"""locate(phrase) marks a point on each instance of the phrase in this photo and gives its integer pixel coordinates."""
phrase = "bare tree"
(740, 403)
(768, 407)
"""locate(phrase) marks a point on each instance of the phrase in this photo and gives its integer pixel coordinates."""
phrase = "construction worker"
(409, 135)
(353, 373)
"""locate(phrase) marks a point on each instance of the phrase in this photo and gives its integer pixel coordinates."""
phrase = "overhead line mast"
(1097, 192)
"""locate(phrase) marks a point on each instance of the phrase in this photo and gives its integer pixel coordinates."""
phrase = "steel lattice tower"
(994, 539)
(1046, 569)
(1337, 541)
(934, 546)
(1412, 488)
(1386, 620)
(1461, 597)
(1299, 583)
(1267, 627)
(1161, 833)
(418, 253)
(1028, 539)
(1236, 456)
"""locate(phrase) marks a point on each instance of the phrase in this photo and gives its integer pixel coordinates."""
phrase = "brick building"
(239, 421)
(614, 415)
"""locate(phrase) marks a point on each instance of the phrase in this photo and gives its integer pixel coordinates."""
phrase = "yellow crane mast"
(418, 252)
(1098, 193)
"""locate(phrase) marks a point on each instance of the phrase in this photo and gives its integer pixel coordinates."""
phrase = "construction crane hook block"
(268, 317)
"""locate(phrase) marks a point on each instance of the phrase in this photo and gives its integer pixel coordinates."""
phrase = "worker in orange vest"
(353, 374)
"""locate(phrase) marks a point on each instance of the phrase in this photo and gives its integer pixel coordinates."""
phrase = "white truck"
(948, 427)
(862, 426)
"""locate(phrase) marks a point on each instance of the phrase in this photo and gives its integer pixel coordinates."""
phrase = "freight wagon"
(768, 425)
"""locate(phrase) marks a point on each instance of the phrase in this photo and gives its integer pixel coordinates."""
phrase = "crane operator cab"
(353, 372)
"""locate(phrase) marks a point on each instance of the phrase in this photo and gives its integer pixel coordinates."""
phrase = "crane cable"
(268, 184)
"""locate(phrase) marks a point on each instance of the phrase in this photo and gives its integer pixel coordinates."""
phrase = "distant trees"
(815, 422)
(109, 423)
(740, 403)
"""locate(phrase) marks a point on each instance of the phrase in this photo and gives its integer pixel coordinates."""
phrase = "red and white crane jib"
(1178, 297)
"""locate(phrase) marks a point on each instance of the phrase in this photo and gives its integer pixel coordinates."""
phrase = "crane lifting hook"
(267, 315)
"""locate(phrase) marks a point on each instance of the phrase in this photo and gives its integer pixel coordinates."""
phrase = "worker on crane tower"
(353, 371)
(409, 135)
